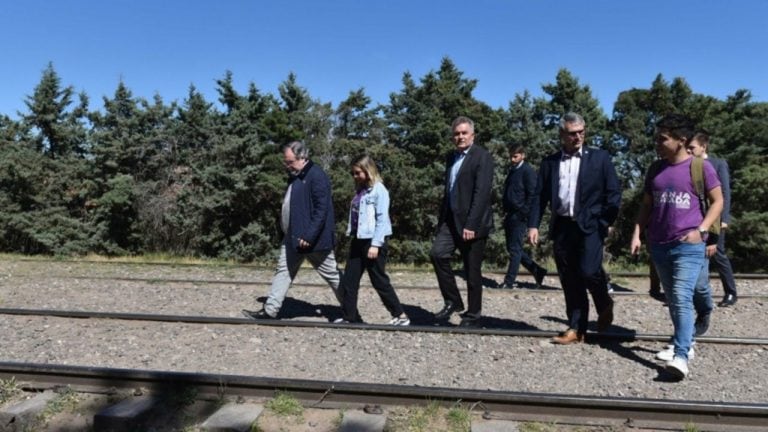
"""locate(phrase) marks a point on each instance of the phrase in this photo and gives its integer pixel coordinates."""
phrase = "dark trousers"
(514, 233)
(357, 261)
(446, 242)
(723, 266)
(579, 260)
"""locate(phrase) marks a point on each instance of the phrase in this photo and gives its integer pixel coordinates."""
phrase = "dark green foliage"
(206, 179)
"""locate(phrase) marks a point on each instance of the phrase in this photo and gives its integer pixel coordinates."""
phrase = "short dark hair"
(679, 126)
(516, 148)
(702, 138)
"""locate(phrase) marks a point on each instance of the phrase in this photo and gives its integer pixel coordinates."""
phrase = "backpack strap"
(697, 176)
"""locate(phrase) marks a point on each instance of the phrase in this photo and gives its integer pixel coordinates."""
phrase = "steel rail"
(563, 408)
(192, 319)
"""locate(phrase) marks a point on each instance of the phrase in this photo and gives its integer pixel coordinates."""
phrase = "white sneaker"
(397, 321)
(668, 353)
(678, 367)
(340, 321)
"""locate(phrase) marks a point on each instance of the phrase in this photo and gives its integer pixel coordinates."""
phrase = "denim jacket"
(373, 217)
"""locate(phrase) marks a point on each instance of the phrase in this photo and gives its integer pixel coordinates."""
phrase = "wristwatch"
(702, 232)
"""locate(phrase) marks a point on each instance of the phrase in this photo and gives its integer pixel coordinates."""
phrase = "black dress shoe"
(728, 300)
(507, 286)
(445, 313)
(539, 276)
(470, 323)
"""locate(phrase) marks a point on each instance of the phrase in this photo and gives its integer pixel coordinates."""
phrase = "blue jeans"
(679, 265)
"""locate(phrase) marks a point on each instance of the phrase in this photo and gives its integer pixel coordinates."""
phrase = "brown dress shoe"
(570, 336)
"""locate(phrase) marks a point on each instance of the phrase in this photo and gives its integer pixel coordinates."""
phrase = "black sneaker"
(260, 314)
(539, 276)
(702, 324)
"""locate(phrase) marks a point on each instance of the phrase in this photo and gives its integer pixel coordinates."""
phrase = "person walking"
(368, 225)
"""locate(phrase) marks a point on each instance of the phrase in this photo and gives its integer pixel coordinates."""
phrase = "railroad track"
(191, 319)
(620, 291)
(559, 408)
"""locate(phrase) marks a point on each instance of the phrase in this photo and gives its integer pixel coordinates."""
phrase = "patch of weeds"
(459, 419)
(537, 427)
(338, 419)
(285, 405)
(691, 427)
(66, 400)
(221, 394)
(8, 390)
(415, 419)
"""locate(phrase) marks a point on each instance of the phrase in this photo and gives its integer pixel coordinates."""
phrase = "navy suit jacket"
(474, 183)
(519, 187)
(311, 211)
(598, 195)
(721, 166)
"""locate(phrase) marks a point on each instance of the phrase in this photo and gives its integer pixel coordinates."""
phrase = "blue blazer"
(598, 194)
(311, 211)
(721, 166)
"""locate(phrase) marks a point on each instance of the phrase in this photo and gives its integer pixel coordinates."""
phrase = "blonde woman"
(368, 226)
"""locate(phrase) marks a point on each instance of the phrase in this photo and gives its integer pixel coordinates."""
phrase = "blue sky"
(334, 47)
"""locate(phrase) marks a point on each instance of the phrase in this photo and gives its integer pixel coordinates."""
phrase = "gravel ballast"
(719, 372)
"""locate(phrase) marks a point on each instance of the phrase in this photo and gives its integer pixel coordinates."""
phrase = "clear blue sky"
(335, 46)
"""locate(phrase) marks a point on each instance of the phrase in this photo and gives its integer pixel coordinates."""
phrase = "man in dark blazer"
(466, 220)
(582, 190)
(519, 187)
(306, 219)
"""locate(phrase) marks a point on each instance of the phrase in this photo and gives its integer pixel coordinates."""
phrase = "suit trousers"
(357, 261)
(514, 233)
(723, 266)
(579, 259)
(447, 240)
(324, 262)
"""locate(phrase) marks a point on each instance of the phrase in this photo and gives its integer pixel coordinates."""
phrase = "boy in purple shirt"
(677, 229)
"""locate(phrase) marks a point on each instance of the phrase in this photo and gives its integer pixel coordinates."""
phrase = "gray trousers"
(324, 263)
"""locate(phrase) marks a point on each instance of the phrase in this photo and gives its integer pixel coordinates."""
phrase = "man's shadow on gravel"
(628, 352)
(295, 308)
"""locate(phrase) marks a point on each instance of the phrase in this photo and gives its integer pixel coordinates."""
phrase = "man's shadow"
(295, 308)
(616, 346)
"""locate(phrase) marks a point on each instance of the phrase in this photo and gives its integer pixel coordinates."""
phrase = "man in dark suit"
(519, 187)
(699, 146)
(581, 187)
(465, 221)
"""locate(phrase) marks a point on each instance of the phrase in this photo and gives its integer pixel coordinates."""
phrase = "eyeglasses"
(575, 133)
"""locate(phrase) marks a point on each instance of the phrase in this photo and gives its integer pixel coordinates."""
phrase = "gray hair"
(298, 148)
(571, 117)
(463, 120)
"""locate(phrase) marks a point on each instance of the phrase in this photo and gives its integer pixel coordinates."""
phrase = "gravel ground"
(724, 373)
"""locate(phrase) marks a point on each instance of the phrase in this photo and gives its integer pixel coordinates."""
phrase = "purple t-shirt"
(676, 209)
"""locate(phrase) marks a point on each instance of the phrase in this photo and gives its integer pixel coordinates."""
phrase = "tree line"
(205, 179)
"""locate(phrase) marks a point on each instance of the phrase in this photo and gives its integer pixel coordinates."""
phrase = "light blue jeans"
(679, 265)
(324, 263)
